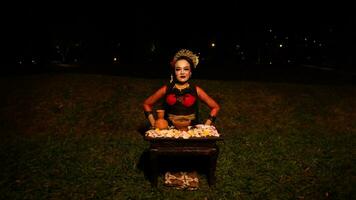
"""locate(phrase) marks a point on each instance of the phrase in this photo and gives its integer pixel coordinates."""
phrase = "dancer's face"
(182, 70)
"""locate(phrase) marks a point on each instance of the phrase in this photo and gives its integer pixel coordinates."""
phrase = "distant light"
(305, 38)
(116, 59)
(275, 37)
(153, 48)
(281, 45)
(270, 30)
(20, 61)
(270, 62)
(320, 45)
(314, 41)
(212, 44)
(237, 46)
(286, 38)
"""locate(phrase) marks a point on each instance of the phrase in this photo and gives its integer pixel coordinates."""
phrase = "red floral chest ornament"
(187, 100)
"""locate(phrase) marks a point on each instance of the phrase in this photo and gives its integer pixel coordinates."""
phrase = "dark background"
(318, 34)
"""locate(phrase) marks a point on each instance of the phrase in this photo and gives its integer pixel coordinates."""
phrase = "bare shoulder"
(198, 88)
(164, 88)
(200, 91)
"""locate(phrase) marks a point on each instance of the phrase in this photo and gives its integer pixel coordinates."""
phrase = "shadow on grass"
(142, 129)
(143, 164)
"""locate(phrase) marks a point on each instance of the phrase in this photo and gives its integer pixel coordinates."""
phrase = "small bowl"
(182, 124)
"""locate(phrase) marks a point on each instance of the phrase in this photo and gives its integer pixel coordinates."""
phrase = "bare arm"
(151, 100)
(214, 107)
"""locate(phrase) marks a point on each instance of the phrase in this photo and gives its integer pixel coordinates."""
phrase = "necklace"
(181, 87)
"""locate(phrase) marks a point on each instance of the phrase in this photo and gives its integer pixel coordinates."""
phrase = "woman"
(180, 96)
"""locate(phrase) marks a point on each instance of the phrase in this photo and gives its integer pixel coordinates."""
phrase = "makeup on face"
(182, 70)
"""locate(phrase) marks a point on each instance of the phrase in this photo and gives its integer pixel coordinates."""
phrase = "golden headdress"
(186, 53)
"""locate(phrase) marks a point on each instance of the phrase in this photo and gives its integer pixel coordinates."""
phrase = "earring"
(171, 79)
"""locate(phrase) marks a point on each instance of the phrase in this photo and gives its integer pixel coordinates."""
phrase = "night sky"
(33, 28)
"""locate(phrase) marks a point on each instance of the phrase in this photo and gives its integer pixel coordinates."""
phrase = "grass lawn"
(75, 136)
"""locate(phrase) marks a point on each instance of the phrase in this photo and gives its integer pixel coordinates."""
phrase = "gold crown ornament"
(187, 53)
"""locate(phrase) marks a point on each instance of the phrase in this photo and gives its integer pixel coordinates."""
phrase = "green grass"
(76, 136)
